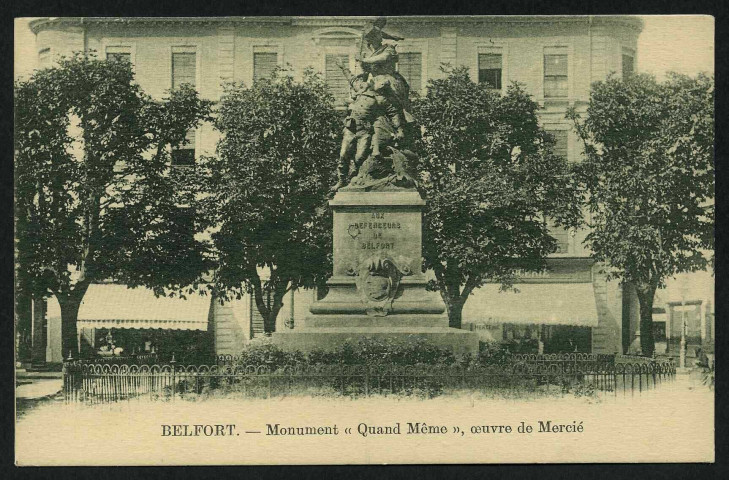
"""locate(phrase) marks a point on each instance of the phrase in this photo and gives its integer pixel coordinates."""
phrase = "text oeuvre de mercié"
(366, 430)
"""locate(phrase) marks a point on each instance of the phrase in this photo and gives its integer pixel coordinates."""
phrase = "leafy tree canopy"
(268, 188)
(491, 180)
(95, 197)
(649, 176)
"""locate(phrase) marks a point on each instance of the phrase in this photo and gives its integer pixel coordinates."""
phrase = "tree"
(491, 181)
(649, 175)
(268, 187)
(95, 195)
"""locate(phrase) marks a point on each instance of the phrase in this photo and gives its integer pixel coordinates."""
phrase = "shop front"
(537, 318)
(114, 320)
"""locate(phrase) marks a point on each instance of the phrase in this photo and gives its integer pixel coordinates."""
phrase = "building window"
(184, 156)
(44, 58)
(119, 57)
(555, 76)
(184, 69)
(264, 63)
(489, 69)
(628, 65)
(119, 54)
(338, 84)
(561, 236)
(410, 66)
(560, 147)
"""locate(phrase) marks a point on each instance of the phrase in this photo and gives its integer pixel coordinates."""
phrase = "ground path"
(671, 423)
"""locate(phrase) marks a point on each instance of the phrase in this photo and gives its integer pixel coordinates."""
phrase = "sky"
(680, 43)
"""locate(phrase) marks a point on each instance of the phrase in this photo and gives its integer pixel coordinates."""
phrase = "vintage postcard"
(364, 240)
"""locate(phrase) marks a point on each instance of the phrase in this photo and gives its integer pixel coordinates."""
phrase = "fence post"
(640, 380)
(68, 384)
(174, 385)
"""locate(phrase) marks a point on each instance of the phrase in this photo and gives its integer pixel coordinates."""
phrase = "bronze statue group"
(378, 130)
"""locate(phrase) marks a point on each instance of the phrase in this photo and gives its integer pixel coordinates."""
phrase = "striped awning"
(540, 304)
(116, 306)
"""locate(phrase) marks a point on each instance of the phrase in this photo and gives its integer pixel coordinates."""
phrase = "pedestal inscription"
(364, 236)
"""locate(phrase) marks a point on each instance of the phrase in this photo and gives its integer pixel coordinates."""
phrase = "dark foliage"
(649, 178)
(491, 181)
(95, 197)
(268, 189)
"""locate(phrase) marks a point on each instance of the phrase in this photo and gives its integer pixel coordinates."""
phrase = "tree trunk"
(454, 307)
(24, 325)
(40, 332)
(70, 304)
(269, 322)
(455, 315)
(69, 315)
(645, 299)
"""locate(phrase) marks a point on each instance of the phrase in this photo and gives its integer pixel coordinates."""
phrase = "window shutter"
(338, 84)
(264, 64)
(555, 65)
(410, 66)
(489, 61)
(183, 69)
(561, 235)
(628, 66)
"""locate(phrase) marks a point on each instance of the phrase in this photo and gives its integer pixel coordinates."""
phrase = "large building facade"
(569, 307)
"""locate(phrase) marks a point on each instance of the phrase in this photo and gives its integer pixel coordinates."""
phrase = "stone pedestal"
(377, 288)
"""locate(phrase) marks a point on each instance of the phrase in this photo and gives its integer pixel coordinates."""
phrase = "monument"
(377, 288)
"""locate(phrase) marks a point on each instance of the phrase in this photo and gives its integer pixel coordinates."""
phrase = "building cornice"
(631, 22)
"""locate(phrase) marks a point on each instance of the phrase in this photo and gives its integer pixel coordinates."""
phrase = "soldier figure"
(363, 134)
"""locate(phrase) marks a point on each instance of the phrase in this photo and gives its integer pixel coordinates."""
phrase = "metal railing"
(133, 359)
(101, 382)
(512, 357)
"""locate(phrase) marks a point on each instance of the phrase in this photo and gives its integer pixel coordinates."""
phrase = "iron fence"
(102, 382)
(581, 358)
(133, 359)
